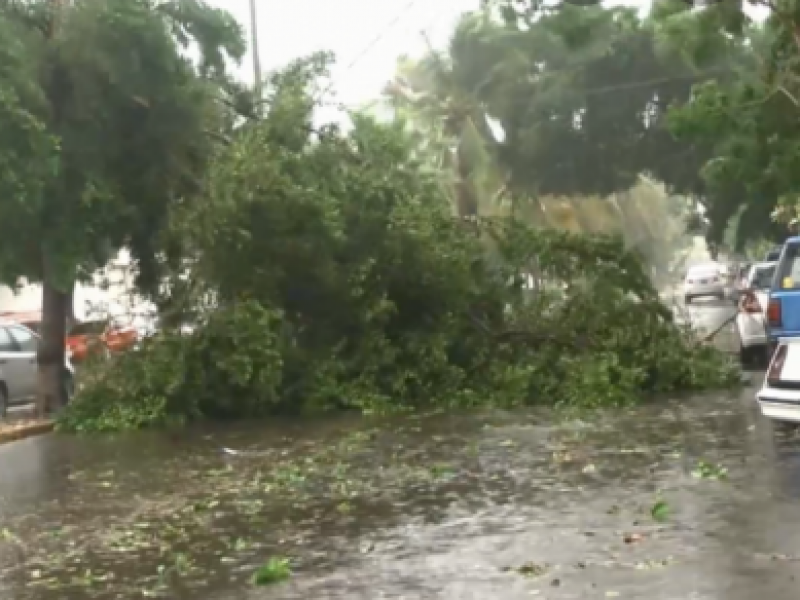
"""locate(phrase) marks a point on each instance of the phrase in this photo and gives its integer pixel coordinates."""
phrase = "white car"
(704, 280)
(19, 370)
(751, 322)
(779, 396)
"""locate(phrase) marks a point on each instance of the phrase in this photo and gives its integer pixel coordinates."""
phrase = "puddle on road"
(691, 500)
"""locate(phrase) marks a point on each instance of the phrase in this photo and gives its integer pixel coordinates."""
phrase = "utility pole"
(254, 42)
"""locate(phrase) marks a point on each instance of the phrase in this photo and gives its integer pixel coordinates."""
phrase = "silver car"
(751, 324)
(704, 280)
(18, 368)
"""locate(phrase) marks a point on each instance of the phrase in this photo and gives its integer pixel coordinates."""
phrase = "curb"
(26, 431)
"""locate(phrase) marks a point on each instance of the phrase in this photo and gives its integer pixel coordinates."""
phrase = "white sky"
(293, 29)
(349, 28)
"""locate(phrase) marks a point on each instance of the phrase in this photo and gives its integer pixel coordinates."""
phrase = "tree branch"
(786, 17)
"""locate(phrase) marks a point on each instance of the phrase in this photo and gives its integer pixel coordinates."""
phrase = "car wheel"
(745, 357)
(746, 354)
(766, 357)
(3, 400)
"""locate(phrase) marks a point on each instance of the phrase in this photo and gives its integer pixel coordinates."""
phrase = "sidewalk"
(23, 425)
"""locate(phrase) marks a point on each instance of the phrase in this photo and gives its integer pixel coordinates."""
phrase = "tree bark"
(466, 200)
(52, 347)
(50, 355)
(70, 307)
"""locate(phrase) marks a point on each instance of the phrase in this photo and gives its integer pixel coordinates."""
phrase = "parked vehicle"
(740, 281)
(32, 320)
(774, 254)
(779, 396)
(19, 369)
(703, 280)
(751, 323)
(101, 337)
(783, 310)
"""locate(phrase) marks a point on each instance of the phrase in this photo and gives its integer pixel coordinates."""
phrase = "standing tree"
(577, 96)
(105, 123)
(440, 96)
(753, 130)
(581, 93)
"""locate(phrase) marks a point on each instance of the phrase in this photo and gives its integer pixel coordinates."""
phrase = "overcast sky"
(349, 28)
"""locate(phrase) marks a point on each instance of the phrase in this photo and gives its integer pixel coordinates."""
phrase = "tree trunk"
(466, 200)
(70, 307)
(52, 347)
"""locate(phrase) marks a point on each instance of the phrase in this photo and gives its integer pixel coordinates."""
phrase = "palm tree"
(437, 97)
(447, 100)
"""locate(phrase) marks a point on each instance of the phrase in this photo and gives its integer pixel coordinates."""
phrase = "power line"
(599, 90)
(372, 44)
(621, 87)
(375, 41)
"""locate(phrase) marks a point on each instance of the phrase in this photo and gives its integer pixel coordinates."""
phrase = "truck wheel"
(764, 356)
(745, 356)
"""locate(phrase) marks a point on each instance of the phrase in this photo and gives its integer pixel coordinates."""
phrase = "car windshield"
(88, 328)
(774, 254)
(702, 274)
(787, 275)
(34, 326)
(762, 278)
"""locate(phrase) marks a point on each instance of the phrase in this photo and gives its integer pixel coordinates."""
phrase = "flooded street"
(695, 498)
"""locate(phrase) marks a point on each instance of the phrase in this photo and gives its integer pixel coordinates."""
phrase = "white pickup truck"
(779, 396)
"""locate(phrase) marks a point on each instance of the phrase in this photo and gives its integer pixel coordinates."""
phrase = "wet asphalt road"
(497, 506)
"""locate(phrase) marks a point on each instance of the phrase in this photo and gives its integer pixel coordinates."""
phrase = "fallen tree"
(329, 273)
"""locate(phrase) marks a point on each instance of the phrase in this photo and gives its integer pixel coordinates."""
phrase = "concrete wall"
(26, 299)
(109, 293)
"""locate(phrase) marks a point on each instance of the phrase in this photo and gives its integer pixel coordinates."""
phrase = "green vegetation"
(706, 470)
(748, 123)
(274, 570)
(105, 126)
(589, 98)
(660, 511)
(372, 269)
(328, 273)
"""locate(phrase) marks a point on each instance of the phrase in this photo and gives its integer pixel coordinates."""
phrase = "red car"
(101, 336)
(87, 337)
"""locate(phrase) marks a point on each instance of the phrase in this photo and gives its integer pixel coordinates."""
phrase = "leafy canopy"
(105, 125)
(751, 124)
(329, 273)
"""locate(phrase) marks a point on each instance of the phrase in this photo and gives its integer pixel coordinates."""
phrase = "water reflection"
(33, 471)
